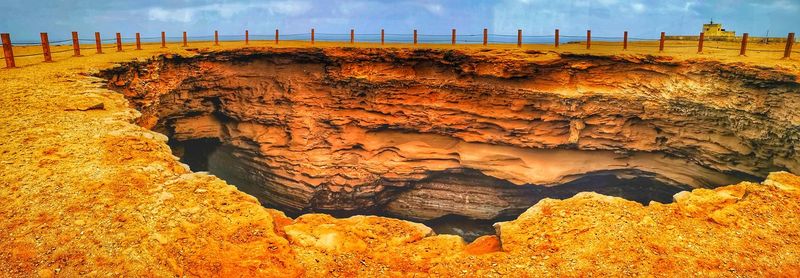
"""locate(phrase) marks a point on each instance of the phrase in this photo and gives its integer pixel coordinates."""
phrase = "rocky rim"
(366, 130)
(87, 191)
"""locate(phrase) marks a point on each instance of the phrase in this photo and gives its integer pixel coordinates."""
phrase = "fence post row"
(700, 42)
(10, 62)
(625, 41)
(98, 43)
(76, 46)
(7, 51)
(743, 50)
(556, 38)
(46, 48)
(588, 39)
(119, 42)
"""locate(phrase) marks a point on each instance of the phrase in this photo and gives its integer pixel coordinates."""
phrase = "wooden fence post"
(312, 35)
(246, 37)
(625, 41)
(8, 52)
(185, 42)
(519, 37)
(76, 45)
(163, 39)
(119, 42)
(415, 37)
(138, 42)
(789, 42)
(352, 36)
(277, 36)
(743, 50)
(98, 43)
(556, 38)
(453, 39)
(661, 43)
(46, 48)
(485, 36)
(216, 37)
(700, 42)
(382, 41)
(588, 39)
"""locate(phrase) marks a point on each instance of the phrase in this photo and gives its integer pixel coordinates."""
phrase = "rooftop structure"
(712, 29)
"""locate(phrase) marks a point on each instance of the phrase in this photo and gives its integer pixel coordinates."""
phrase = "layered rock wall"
(359, 129)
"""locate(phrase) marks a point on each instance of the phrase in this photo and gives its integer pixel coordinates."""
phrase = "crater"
(459, 144)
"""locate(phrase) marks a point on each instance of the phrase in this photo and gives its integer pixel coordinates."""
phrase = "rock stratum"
(366, 130)
(86, 189)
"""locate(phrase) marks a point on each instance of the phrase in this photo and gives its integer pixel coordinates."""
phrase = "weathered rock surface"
(588, 234)
(353, 129)
(89, 193)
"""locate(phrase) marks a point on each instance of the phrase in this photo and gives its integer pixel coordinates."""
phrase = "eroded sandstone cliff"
(358, 130)
(84, 192)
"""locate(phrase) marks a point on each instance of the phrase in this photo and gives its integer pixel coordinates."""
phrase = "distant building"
(715, 30)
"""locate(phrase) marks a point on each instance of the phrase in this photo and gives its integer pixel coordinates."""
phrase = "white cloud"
(289, 7)
(434, 8)
(776, 5)
(638, 7)
(353, 8)
(607, 2)
(160, 14)
(227, 10)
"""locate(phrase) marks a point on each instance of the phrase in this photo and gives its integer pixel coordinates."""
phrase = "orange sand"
(90, 193)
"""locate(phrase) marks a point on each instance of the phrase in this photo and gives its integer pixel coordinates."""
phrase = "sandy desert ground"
(84, 191)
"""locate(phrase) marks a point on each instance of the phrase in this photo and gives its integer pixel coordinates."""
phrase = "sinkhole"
(208, 155)
(454, 140)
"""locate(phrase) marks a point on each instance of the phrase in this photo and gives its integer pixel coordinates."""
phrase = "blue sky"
(643, 18)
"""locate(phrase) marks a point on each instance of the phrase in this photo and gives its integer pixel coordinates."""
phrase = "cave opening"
(195, 152)
(211, 155)
(455, 145)
(637, 186)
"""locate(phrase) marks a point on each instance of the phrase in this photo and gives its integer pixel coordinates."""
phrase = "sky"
(642, 18)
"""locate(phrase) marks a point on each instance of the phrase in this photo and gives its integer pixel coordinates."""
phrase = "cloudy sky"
(643, 18)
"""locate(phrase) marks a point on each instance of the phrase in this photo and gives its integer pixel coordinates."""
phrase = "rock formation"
(346, 129)
(86, 192)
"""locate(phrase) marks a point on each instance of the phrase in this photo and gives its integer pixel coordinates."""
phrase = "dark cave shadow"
(638, 186)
